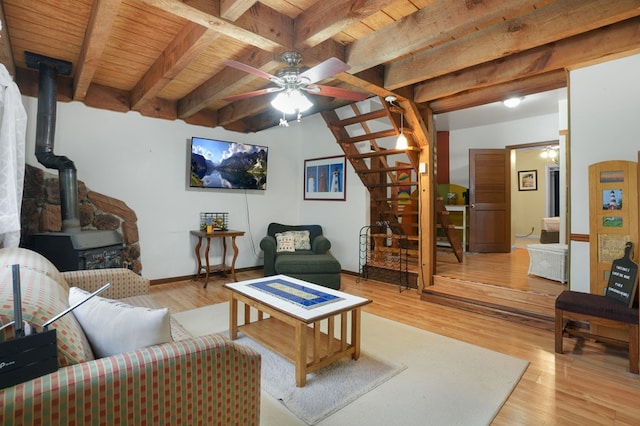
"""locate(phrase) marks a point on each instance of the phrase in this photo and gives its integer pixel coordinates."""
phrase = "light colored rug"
(328, 389)
(446, 382)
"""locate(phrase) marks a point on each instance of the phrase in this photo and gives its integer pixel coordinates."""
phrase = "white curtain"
(13, 128)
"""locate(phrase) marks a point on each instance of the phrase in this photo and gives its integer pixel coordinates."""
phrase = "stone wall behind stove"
(41, 212)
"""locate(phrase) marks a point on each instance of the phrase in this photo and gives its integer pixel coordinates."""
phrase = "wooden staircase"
(379, 165)
(445, 224)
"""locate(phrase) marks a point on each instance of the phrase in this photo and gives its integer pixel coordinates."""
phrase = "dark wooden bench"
(577, 306)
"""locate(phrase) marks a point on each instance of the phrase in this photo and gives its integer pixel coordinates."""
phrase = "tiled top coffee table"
(297, 320)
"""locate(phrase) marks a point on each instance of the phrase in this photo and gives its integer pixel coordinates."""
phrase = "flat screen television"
(222, 164)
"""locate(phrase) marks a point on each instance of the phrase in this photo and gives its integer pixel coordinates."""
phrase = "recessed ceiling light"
(512, 102)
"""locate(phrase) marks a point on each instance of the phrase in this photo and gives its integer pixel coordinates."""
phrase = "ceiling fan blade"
(252, 94)
(251, 70)
(337, 92)
(326, 69)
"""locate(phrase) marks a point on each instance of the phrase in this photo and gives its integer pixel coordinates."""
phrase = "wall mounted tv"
(221, 164)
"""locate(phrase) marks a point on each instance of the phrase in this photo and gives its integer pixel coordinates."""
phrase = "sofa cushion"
(307, 264)
(284, 243)
(29, 259)
(42, 299)
(114, 327)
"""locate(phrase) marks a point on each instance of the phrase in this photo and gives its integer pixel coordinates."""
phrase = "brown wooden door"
(489, 201)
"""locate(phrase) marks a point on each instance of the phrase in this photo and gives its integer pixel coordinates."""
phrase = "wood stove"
(83, 250)
(73, 248)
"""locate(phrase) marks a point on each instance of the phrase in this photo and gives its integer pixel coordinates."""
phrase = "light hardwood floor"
(589, 384)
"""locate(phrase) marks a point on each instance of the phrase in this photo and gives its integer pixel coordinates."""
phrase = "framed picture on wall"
(325, 178)
(528, 180)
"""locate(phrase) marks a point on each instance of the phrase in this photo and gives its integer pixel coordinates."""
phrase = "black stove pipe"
(45, 133)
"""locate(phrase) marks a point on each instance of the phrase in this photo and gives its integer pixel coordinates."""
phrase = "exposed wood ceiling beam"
(563, 18)
(239, 110)
(485, 95)
(225, 83)
(474, 51)
(325, 19)
(584, 48)
(262, 27)
(233, 9)
(103, 14)
(188, 44)
(431, 26)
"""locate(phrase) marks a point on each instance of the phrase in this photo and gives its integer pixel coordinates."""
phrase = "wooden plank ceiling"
(164, 58)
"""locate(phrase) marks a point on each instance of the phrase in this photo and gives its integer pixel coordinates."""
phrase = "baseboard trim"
(193, 276)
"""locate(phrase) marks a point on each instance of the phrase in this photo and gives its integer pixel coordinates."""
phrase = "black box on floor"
(28, 357)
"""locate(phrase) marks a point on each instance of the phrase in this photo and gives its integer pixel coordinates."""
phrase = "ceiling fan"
(294, 79)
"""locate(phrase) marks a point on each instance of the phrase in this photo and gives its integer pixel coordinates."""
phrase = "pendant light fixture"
(401, 142)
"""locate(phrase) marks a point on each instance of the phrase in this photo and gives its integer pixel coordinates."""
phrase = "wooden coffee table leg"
(355, 332)
(233, 318)
(301, 355)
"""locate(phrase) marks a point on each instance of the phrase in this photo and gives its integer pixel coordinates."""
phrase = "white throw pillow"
(284, 243)
(113, 327)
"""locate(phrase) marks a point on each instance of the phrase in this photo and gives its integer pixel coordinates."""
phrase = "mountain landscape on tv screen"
(240, 170)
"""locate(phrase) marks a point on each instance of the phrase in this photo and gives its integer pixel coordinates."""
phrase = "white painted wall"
(537, 129)
(143, 162)
(604, 125)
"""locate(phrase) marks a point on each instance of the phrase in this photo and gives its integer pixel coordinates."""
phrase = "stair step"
(391, 184)
(369, 136)
(520, 306)
(381, 153)
(384, 170)
(390, 199)
(532, 319)
(373, 115)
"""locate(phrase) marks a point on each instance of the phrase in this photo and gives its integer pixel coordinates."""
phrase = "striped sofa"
(188, 381)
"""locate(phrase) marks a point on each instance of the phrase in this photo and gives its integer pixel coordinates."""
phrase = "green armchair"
(309, 259)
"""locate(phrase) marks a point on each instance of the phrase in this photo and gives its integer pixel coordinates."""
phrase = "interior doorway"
(530, 207)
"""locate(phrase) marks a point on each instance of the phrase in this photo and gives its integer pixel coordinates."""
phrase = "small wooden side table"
(215, 268)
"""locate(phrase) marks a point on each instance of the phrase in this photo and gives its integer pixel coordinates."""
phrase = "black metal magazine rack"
(384, 253)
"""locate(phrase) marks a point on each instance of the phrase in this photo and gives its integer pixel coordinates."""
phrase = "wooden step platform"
(497, 285)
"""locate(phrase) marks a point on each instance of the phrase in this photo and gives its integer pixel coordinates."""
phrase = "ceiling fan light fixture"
(291, 102)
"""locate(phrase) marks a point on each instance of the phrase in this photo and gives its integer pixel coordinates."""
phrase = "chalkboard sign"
(623, 280)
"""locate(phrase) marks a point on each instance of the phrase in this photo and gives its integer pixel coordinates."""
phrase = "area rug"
(445, 381)
(328, 389)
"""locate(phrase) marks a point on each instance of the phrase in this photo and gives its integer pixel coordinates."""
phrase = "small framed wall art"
(528, 180)
(325, 178)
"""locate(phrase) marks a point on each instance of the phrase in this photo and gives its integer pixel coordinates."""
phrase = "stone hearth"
(41, 213)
